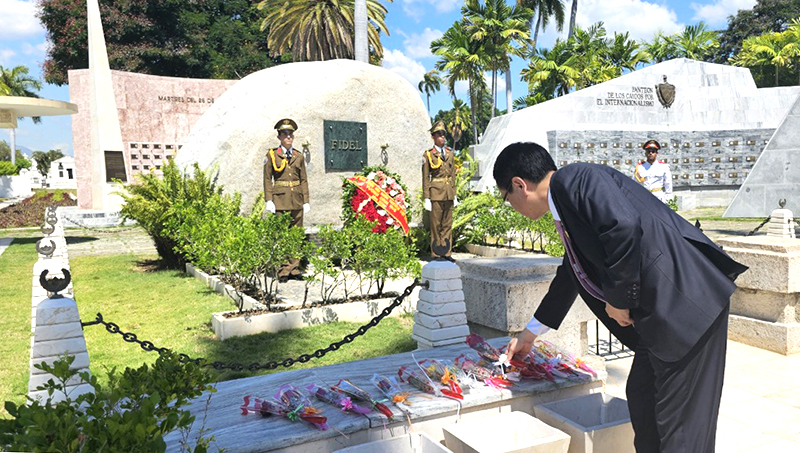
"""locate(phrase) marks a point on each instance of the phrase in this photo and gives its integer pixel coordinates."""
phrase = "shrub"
(152, 200)
(7, 168)
(132, 413)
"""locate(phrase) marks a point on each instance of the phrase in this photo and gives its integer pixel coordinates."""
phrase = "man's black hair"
(527, 160)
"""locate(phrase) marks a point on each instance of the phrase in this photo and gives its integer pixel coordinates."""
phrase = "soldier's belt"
(657, 189)
(442, 179)
(287, 183)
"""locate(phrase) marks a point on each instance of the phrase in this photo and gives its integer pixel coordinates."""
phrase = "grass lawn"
(167, 308)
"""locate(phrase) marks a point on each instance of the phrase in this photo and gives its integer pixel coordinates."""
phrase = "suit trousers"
(674, 405)
(442, 224)
(291, 267)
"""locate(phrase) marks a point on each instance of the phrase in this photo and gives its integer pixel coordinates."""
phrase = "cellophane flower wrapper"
(472, 368)
(348, 388)
(444, 374)
(339, 400)
(391, 390)
(568, 362)
(300, 407)
(418, 380)
(264, 407)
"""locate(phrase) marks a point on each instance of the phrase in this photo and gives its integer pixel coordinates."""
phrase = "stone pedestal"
(781, 224)
(441, 317)
(502, 294)
(765, 308)
(58, 332)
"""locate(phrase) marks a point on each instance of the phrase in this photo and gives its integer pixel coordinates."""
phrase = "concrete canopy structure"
(714, 130)
(13, 107)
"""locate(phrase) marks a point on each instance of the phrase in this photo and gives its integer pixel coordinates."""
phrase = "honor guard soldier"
(654, 175)
(439, 188)
(286, 185)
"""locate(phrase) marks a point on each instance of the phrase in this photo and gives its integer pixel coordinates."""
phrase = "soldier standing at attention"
(439, 188)
(286, 185)
(654, 175)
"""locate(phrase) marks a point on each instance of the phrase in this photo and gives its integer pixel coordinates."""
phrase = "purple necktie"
(584, 280)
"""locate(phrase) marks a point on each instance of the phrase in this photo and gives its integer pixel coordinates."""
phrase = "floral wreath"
(357, 203)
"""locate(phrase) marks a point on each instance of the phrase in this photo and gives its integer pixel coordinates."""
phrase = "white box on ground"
(505, 432)
(410, 443)
(597, 423)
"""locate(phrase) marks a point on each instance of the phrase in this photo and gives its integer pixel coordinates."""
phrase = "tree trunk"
(472, 113)
(360, 24)
(536, 32)
(572, 18)
(777, 72)
(494, 92)
(509, 103)
(429, 103)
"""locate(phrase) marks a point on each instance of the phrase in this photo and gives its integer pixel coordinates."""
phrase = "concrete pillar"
(781, 224)
(765, 308)
(58, 332)
(441, 317)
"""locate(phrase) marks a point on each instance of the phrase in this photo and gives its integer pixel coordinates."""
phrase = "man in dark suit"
(658, 284)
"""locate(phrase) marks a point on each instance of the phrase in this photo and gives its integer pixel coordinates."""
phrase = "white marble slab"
(254, 433)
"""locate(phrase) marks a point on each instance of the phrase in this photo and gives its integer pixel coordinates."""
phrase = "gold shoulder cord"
(274, 166)
(637, 176)
(430, 161)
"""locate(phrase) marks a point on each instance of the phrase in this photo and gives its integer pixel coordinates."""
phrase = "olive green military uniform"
(439, 186)
(286, 185)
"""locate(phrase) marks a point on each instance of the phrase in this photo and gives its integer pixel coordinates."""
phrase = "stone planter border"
(225, 328)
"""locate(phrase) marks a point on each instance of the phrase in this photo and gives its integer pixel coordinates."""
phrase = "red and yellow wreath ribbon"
(274, 165)
(430, 161)
(382, 199)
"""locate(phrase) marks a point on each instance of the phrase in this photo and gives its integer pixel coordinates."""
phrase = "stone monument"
(349, 115)
(776, 174)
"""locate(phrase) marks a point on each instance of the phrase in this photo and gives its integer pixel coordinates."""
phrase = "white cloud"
(37, 50)
(416, 9)
(5, 56)
(716, 14)
(18, 19)
(408, 68)
(418, 45)
(640, 18)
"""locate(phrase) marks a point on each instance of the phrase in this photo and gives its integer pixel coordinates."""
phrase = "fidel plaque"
(345, 145)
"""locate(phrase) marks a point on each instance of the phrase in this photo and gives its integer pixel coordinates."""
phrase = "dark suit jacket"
(646, 258)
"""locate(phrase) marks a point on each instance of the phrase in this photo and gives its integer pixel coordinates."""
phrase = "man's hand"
(622, 316)
(427, 204)
(456, 202)
(270, 206)
(520, 345)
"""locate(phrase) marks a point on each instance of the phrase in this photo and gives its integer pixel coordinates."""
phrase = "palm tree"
(430, 83)
(625, 53)
(17, 82)
(457, 120)
(695, 42)
(502, 32)
(661, 48)
(360, 23)
(461, 58)
(572, 15)
(544, 10)
(771, 49)
(316, 30)
(550, 71)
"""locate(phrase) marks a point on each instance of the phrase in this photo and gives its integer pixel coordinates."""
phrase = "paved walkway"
(760, 409)
(4, 243)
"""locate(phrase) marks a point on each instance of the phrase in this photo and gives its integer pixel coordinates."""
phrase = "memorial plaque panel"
(345, 145)
(115, 166)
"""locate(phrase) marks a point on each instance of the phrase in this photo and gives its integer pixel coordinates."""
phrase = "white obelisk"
(105, 131)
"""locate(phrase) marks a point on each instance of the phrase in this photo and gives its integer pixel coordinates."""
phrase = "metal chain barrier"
(303, 358)
(758, 227)
(102, 230)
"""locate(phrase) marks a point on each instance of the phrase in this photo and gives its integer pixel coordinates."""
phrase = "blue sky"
(412, 24)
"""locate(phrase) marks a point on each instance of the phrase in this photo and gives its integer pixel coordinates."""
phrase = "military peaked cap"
(286, 124)
(650, 144)
(437, 126)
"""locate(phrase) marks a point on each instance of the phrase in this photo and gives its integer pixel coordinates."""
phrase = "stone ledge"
(511, 268)
(772, 336)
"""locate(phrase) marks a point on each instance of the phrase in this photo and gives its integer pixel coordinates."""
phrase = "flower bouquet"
(391, 390)
(348, 388)
(267, 407)
(357, 202)
(476, 371)
(340, 400)
(445, 374)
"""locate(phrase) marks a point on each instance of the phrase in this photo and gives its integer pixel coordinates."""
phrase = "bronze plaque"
(115, 166)
(345, 145)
